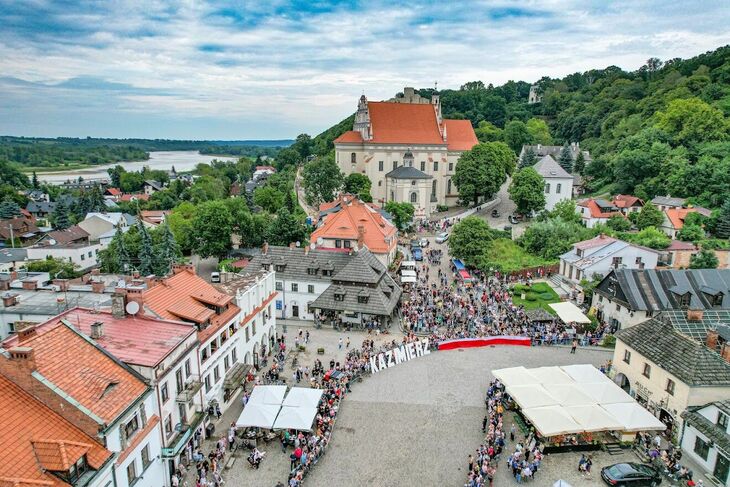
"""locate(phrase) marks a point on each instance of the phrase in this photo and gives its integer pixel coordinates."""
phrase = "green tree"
(469, 239)
(618, 223)
(321, 179)
(61, 216)
(526, 190)
(722, 227)
(649, 216)
(115, 259)
(704, 259)
(539, 131)
(9, 209)
(57, 268)
(211, 229)
(487, 132)
(651, 237)
(402, 213)
(360, 185)
(34, 181)
(565, 159)
(287, 157)
(579, 165)
(131, 182)
(691, 233)
(115, 175)
(516, 135)
(181, 225)
(167, 250)
(146, 251)
(691, 120)
(287, 228)
(529, 158)
(268, 198)
(481, 171)
(553, 237)
(565, 210)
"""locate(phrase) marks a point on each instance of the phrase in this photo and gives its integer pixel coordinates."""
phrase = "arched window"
(353, 158)
(414, 197)
(433, 188)
(448, 187)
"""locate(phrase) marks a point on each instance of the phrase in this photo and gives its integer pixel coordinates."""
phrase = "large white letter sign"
(399, 355)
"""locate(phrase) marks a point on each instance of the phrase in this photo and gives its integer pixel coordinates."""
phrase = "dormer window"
(280, 267)
(717, 300)
(74, 473)
(266, 267)
(684, 300)
(326, 272)
(363, 296)
(340, 294)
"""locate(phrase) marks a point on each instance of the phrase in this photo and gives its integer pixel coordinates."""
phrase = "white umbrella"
(551, 375)
(267, 395)
(585, 373)
(552, 420)
(303, 397)
(258, 415)
(605, 393)
(532, 396)
(296, 418)
(633, 417)
(515, 376)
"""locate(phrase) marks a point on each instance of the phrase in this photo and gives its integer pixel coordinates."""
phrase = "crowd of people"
(667, 459)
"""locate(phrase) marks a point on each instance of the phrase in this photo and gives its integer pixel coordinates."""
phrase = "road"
(506, 208)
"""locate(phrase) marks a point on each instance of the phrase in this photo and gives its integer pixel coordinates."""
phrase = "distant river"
(165, 160)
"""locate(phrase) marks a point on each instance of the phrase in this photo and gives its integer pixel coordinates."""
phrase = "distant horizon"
(221, 141)
(272, 70)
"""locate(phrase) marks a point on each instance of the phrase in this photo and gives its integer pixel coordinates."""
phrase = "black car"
(630, 475)
(495, 213)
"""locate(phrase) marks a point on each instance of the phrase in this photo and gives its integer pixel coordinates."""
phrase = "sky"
(271, 69)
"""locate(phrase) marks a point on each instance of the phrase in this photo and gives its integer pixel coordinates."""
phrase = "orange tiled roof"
(460, 135)
(595, 210)
(676, 216)
(132, 197)
(114, 191)
(354, 213)
(626, 201)
(351, 136)
(83, 371)
(36, 439)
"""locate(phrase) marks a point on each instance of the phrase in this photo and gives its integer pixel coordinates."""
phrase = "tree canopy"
(526, 190)
(481, 171)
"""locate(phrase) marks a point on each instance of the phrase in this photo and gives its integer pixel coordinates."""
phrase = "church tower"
(362, 119)
(436, 102)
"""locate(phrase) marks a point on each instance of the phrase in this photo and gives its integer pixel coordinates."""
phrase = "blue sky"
(272, 69)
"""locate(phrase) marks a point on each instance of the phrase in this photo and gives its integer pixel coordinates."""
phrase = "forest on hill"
(662, 129)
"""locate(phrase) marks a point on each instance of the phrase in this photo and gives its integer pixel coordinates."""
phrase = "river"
(165, 160)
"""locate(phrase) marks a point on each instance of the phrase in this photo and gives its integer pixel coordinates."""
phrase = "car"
(495, 213)
(423, 242)
(416, 244)
(630, 475)
(215, 277)
(514, 220)
(442, 237)
(417, 253)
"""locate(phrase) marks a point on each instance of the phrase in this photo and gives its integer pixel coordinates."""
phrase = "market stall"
(569, 313)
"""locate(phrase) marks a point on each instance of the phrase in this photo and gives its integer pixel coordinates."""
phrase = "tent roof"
(267, 395)
(633, 417)
(303, 397)
(551, 375)
(570, 395)
(515, 376)
(606, 393)
(585, 373)
(592, 417)
(569, 313)
(532, 396)
(408, 263)
(297, 418)
(405, 279)
(552, 420)
(408, 272)
(258, 415)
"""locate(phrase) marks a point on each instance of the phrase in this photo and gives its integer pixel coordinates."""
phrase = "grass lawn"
(539, 295)
(504, 254)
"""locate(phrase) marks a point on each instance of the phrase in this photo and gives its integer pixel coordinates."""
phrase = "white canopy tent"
(408, 273)
(633, 417)
(267, 395)
(570, 395)
(552, 420)
(407, 279)
(515, 376)
(296, 418)
(532, 396)
(606, 393)
(303, 397)
(408, 264)
(258, 415)
(569, 313)
(592, 417)
(551, 375)
(584, 373)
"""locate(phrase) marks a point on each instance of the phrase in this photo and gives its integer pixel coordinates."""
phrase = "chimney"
(97, 330)
(13, 276)
(265, 248)
(711, 339)
(4, 285)
(150, 281)
(306, 250)
(30, 284)
(10, 300)
(26, 333)
(118, 303)
(360, 236)
(135, 294)
(97, 287)
(292, 246)
(695, 315)
(726, 351)
(95, 272)
(61, 283)
(23, 356)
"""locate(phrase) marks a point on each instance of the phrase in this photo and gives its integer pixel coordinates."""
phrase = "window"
(353, 158)
(380, 166)
(146, 457)
(423, 166)
(618, 307)
(380, 183)
(168, 425)
(395, 164)
(347, 244)
(89, 254)
(451, 166)
(684, 300)
(206, 380)
(435, 166)
(600, 299)
(722, 420)
(188, 372)
(226, 364)
(557, 188)
(248, 334)
(164, 393)
(131, 473)
(131, 427)
(638, 260)
(76, 471)
(627, 356)
(294, 287)
(83, 257)
(414, 197)
(616, 261)
(204, 355)
(670, 386)
(338, 244)
(234, 356)
(647, 370)
(216, 374)
(362, 299)
(717, 299)
(448, 187)
(279, 286)
(547, 187)
(179, 380)
(310, 288)
(702, 448)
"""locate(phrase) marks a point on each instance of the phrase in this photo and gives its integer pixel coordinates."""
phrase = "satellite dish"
(132, 307)
(298, 244)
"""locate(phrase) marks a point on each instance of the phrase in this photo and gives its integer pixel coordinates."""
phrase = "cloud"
(252, 69)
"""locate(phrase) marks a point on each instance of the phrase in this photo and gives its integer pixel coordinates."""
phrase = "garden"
(539, 295)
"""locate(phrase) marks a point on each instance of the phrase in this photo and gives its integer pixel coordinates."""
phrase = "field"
(539, 295)
(506, 256)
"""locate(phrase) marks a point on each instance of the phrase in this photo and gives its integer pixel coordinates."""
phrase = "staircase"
(613, 448)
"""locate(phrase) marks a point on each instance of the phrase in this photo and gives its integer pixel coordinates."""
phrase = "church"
(407, 149)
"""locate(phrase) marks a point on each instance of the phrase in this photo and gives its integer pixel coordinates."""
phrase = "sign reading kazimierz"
(404, 353)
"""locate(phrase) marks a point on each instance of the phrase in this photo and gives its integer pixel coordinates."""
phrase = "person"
(255, 457)
(512, 432)
(347, 344)
(339, 343)
(573, 346)
(175, 481)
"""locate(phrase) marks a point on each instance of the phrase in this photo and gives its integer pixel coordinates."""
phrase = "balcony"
(192, 386)
(184, 432)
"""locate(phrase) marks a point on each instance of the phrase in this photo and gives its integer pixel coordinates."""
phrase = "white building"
(706, 438)
(84, 255)
(596, 211)
(600, 255)
(558, 182)
(98, 224)
(385, 132)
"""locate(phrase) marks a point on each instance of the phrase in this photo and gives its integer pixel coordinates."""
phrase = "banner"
(484, 342)
(398, 355)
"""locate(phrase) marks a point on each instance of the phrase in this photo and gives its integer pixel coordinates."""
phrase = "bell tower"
(362, 119)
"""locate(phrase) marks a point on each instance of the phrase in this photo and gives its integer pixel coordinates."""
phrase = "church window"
(414, 197)
(353, 158)
(448, 187)
(451, 166)
(395, 165)
(557, 188)
(380, 183)
(433, 188)
(392, 196)
(380, 166)
(413, 183)
(423, 166)
(435, 166)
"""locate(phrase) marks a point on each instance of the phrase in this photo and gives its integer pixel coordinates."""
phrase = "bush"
(519, 288)
(441, 208)
(609, 341)
(531, 296)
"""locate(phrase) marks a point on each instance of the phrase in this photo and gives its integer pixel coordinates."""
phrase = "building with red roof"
(674, 219)
(595, 211)
(406, 131)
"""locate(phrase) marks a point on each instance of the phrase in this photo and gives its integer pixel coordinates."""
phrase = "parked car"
(495, 213)
(417, 253)
(630, 475)
(514, 220)
(423, 242)
(416, 244)
(442, 237)
(215, 277)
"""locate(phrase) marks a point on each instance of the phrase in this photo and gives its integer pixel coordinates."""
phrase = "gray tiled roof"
(685, 358)
(41, 206)
(297, 264)
(714, 432)
(9, 255)
(668, 201)
(547, 167)
(407, 172)
(381, 299)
